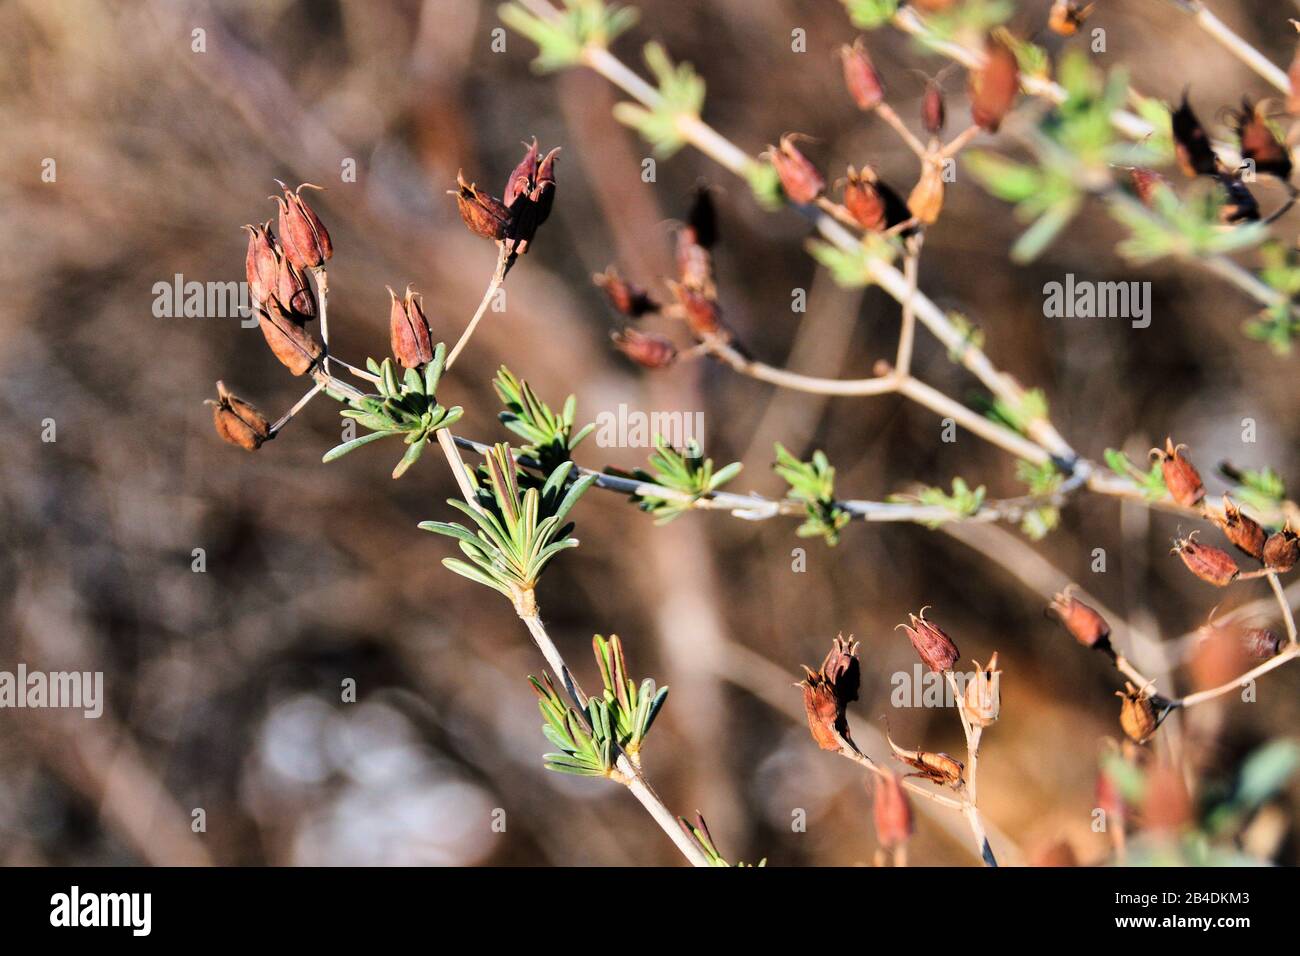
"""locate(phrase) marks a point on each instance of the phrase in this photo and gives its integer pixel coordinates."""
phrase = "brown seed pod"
(936, 767)
(484, 215)
(1212, 565)
(1191, 143)
(303, 236)
(237, 421)
(694, 263)
(983, 698)
(1067, 16)
(408, 330)
(529, 195)
(933, 110)
(645, 348)
(860, 76)
(891, 812)
(1137, 715)
(1259, 143)
(828, 692)
(261, 262)
(935, 648)
(1181, 477)
(289, 341)
(1242, 530)
(799, 177)
(627, 299)
(994, 86)
(1281, 550)
(872, 204)
(294, 293)
(1218, 658)
(701, 312)
(1088, 627)
(926, 199)
(1261, 643)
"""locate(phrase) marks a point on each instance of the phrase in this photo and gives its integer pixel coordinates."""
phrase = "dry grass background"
(223, 687)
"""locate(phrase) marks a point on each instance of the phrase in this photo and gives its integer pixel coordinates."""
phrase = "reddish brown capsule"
(872, 204)
(302, 235)
(1088, 627)
(1259, 144)
(1212, 565)
(891, 812)
(1261, 643)
(935, 648)
(933, 110)
(261, 263)
(1067, 16)
(1137, 715)
(694, 262)
(627, 299)
(994, 87)
(860, 76)
(983, 696)
(799, 177)
(1181, 476)
(1281, 550)
(828, 692)
(485, 215)
(1242, 530)
(936, 767)
(926, 199)
(1219, 657)
(645, 348)
(289, 341)
(408, 330)
(700, 311)
(294, 293)
(238, 422)
(1145, 183)
(1192, 146)
(529, 195)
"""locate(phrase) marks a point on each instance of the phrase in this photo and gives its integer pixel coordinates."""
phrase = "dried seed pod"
(1259, 143)
(891, 812)
(1145, 183)
(261, 262)
(1281, 550)
(289, 341)
(935, 648)
(936, 767)
(926, 199)
(303, 237)
(1218, 658)
(1137, 715)
(485, 215)
(933, 110)
(860, 76)
(1261, 643)
(627, 299)
(294, 293)
(1191, 144)
(1181, 477)
(237, 421)
(529, 195)
(701, 312)
(994, 86)
(1067, 16)
(1210, 564)
(799, 177)
(1242, 530)
(408, 330)
(694, 263)
(983, 698)
(873, 205)
(645, 348)
(828, 692)
(1088, 627)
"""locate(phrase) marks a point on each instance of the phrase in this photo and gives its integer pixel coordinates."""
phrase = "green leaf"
(338, 451)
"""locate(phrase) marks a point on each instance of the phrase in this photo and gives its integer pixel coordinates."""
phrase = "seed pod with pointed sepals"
(1261, 643)
(935, 648)
(1088, 627)
(408, 330)
(994, 86)
(1181, 477)
(891, 812)
(293, 292)
(799, 177)
(873, 205)
(1067, 16)
(627, 299)
(261, 262)
(828, 692)
(701, 312)
(983, 698)
(1242, 530)
(529, 195)
(860, 76)
(238, 422)
(1282, 550)
(933, 110)
(694, 263)
(303, 236)
(485, 215)
(926, 199)
(936, 767)
(289, 341)
(1137, 715)
(1192, 146)
(1212, 565)
(1259, 143)
(645, 348)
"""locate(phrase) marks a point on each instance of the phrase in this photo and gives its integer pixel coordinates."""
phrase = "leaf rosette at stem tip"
(518, 531)
(405, 407)
(561, 40)
(549, 434)
(813, 483)
(687, 472)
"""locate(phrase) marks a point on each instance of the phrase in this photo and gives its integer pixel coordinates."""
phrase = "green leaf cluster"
(813, 483)
(687, 471)
(560, 41)
(681, 93)
(549, 434)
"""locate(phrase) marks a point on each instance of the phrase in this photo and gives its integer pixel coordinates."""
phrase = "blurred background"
(223, 688)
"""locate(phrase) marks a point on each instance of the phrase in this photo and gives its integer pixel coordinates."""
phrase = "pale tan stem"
(960, 141)
(990, 431)
(886, 112)
(1273, 663)
(504, 260)
(880, 385)
(1288, 618)
(1235, 45)
(907, 331)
